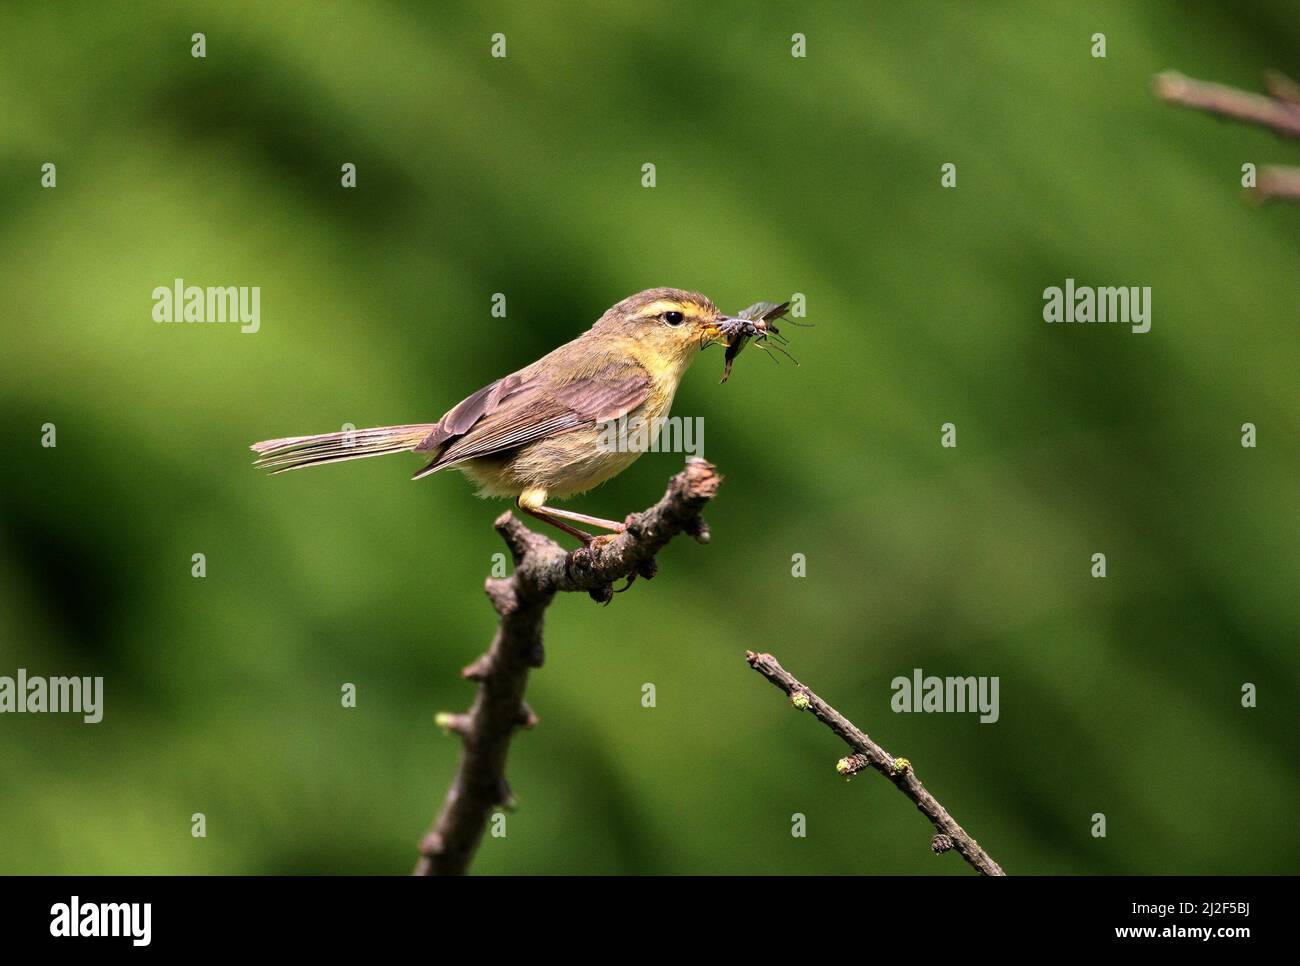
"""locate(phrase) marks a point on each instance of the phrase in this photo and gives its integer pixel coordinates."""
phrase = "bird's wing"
(461, 418)
(503, 416)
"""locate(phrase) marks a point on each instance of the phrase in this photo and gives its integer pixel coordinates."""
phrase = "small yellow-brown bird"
(536, 433)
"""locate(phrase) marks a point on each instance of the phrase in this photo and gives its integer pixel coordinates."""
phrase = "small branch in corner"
(1278, 110)
(865, 754)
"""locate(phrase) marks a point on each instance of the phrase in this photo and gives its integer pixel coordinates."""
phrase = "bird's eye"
(674, 318)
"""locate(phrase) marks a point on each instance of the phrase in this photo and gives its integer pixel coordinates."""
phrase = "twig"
(1277, 113)
(1282, 87)
(1279, 181)
(542, 569)
(868, 754)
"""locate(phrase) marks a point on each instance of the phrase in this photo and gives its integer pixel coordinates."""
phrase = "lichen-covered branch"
(867, 754)
(542, 569)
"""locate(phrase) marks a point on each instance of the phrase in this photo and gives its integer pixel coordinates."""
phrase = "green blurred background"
(775, 175)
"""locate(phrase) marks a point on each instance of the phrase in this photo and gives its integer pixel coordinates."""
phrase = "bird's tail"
(297, 452)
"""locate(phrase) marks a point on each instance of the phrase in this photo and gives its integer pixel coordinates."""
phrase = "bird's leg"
(611, 525)
(533, 502)
(543, 513)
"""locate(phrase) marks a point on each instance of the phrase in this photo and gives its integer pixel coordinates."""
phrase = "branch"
(1279, 111)
(1276, 112)
(542, 569)
(1279, 181)
(868, 754)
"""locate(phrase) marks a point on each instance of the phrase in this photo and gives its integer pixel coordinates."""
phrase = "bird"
(536, 435)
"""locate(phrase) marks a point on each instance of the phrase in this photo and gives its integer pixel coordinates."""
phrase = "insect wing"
(758, 310)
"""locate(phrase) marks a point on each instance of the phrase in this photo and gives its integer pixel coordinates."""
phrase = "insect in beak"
(727, 327)
(755, 322)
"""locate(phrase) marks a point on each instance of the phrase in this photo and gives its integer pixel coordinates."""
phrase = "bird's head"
(669, 322)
